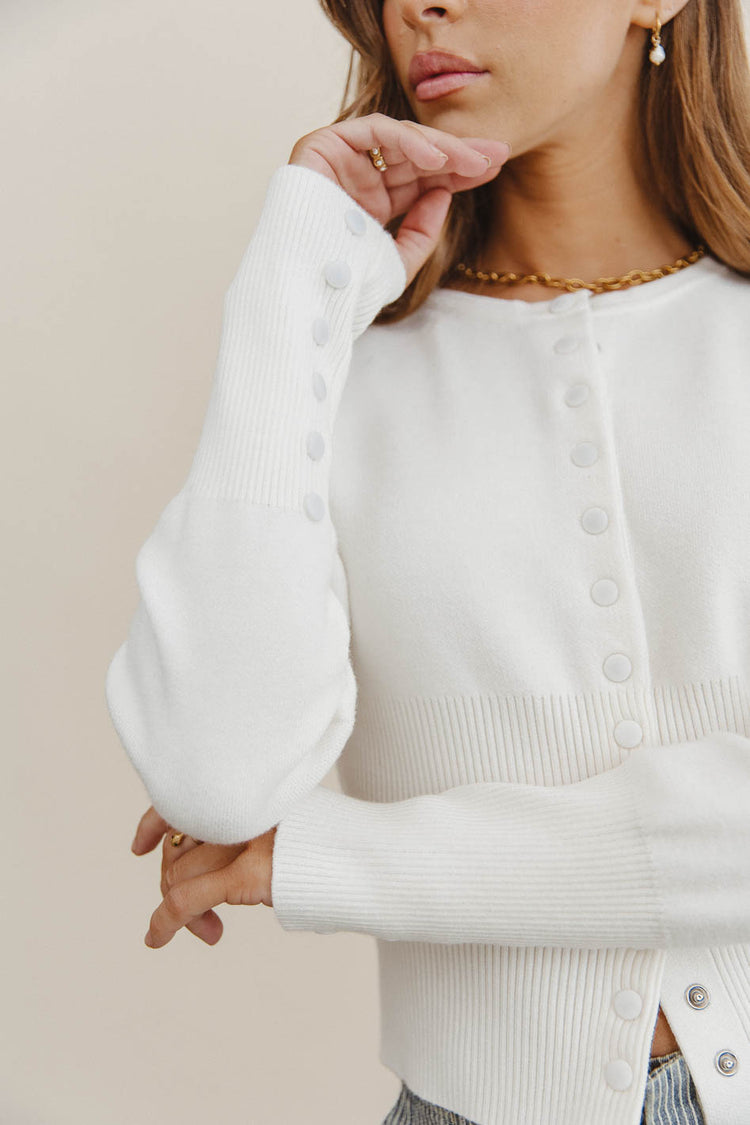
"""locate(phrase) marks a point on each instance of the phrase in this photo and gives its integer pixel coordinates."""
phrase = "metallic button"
(628, 733)
(604, 591)
(697, 996)
(576, 394)
(628, 1004)
(356, 221)
(566, 344)
(337, 274)
(315, 445)
(319, 386)
(617, 667)
(618, 1074)
(726, 1063)
(594, 520)
(314, 506)
(584, 454)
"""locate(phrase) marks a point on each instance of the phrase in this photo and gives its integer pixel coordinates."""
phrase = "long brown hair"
(694, 112)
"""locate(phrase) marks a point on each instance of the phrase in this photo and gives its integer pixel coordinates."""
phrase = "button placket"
(627, 1003)
(337, 274)
(698, 997)
(313, 503)
(604, 592)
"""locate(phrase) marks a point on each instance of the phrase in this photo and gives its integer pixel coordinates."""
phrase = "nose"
(419, 13)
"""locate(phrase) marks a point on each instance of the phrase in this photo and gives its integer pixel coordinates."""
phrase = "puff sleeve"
(233, 693)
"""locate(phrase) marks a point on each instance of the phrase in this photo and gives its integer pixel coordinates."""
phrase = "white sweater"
(524, 554)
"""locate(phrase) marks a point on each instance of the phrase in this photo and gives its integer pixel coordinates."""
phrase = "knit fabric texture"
(491, 562)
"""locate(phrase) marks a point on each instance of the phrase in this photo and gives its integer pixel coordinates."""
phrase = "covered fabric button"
(319, 386)
(562, 304)
(604, 591)
(315, 445)
(628, 733)
(619, 1074)
(583, 454)
(576, 394)
(355, 220)
(314, 506)
(320, 330)
(566, 344)
(594, 520)
(617, 667)
(628, 1004)
(338, 274)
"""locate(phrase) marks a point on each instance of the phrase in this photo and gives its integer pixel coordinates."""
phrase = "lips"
(427, 63)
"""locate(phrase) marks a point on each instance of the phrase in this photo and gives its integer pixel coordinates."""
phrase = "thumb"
(421, 228)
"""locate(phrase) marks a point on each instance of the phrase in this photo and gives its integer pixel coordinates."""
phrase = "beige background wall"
(136, 141)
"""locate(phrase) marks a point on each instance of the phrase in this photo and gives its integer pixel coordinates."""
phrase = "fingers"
(418, 158)
(186, 903)
(209, 926)
(420, 229)
(461, 148)
(208, 875)
(408, 145)
(171, 855)
(198, 861)
(151, 828)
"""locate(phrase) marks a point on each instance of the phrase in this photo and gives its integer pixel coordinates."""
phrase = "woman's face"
(549, 62)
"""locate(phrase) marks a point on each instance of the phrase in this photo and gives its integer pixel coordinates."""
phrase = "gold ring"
(377, 159)
(177, 838)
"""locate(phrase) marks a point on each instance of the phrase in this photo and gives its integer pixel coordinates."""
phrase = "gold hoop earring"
(657, 54)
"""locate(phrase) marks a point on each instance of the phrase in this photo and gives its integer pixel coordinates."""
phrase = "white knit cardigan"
(493, 560)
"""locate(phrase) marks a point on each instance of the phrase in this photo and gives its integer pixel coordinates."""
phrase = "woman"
(534, 534)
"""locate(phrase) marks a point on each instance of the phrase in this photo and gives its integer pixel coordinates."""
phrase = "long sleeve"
(233, 693)
(653, 853)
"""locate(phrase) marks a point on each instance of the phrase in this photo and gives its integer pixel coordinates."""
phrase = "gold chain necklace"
(601, 285)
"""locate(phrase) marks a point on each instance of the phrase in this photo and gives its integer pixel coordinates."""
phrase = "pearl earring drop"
(657, 54)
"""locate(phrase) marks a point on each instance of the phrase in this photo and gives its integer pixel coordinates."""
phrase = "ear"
(644, 12)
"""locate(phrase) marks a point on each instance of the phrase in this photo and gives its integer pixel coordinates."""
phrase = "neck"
(579, 205)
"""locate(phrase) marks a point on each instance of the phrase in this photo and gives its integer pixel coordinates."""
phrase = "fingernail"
(133, 845)
(148, 940)
(509, 146)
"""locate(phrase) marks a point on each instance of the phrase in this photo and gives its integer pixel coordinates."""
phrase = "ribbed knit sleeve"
(233, 694)
(651, 854)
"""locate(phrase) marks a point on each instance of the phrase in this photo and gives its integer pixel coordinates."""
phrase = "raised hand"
(425, 167)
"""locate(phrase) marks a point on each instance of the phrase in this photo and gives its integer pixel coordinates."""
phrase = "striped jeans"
(671, 1099)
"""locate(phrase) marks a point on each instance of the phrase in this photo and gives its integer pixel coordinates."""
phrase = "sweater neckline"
(514, 308)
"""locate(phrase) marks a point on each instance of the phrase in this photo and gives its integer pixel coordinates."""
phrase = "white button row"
(338, 274)
(628, 733)
(617, 666)
(628, 1004)
(618, 1073)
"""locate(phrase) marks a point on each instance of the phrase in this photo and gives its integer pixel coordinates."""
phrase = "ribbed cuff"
(491, 862)
(316, 272)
